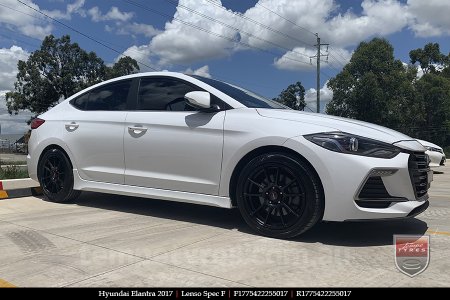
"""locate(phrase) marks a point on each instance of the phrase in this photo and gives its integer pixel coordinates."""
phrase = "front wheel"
(56, 177)
(279, 196)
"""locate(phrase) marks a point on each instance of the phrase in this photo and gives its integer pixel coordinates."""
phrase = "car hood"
(428, 144)
(332, 123)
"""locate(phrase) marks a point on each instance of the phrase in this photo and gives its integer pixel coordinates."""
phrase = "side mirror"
(200, 100)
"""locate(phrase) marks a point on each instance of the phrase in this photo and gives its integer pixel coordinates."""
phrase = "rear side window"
(164, 94)
(110, 97)
(81, 101)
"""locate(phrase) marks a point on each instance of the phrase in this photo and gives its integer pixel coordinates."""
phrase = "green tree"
(433, 95)
(293, 96)
(374, 86)
(124, 66)
(58, 70)
(428, 57)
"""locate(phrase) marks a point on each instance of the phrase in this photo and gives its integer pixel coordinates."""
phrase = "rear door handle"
(71, 126)
(137, 129)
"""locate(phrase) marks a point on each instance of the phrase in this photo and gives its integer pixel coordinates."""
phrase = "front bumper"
(343, 175)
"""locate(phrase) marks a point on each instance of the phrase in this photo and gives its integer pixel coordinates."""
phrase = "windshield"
(242, 95)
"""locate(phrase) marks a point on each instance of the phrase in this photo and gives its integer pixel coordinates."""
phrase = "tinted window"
(163, 94)
(242, 95)
(112, 96)
(81, 101)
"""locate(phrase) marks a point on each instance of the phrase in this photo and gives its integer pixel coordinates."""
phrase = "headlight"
(353, 144)
(428, 148)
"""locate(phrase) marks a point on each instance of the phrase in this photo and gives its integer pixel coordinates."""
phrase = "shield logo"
(412, 253)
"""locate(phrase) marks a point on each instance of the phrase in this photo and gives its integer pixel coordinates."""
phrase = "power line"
(37, 17)
(234, 28)
(261, 25)
(16, 10)
(208, 31)
(20, 40)
(83, 34)
(286, 19)
(339, 53)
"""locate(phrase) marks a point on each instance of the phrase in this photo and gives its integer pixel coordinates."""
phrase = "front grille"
(418, 170)
(442, 162)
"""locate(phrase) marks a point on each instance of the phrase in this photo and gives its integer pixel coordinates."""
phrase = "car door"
(94, 132)
(169, 145)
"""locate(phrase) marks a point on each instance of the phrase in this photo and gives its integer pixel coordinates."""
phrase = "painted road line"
(438, 232)
(6, 284)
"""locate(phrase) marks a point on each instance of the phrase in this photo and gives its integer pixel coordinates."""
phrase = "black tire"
(279, 195)
(56, 177)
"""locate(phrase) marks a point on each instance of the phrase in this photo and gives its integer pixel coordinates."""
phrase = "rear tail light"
(36, 123)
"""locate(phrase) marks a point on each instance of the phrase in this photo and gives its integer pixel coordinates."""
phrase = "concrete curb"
(15, 188)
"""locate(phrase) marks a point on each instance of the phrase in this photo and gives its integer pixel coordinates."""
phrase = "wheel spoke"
(255, 183)
(294, 195)
(256, 210)
(252, 195)
(269, 212)
(277, 174)
(266, 175)
(288, 185)
(290, 209)
(280, 209)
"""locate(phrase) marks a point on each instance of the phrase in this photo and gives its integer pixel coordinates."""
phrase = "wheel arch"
(49, 147)
(258, 151)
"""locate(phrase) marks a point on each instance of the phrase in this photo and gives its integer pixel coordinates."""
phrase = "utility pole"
(318, 56)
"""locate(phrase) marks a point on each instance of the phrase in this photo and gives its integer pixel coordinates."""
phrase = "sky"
(261, 45)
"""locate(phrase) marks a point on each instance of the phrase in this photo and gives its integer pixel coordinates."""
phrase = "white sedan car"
(192, 139)
(435, 153)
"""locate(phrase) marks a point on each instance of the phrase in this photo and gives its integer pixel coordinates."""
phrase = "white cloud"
(8, 71)
(11, 124)
(141, 54)
(114, 14)
(293, 61)
(136, 29)
(71, 8)
(429, 18)
(183, 44)
(8, 65)
(202, 71)
(25, 23)
(311, 98)
(180, 43)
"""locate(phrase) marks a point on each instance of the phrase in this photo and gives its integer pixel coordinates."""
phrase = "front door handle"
(71, 126)
(137, 129)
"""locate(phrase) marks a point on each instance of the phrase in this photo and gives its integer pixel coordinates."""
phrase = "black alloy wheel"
(56, 177)
(279, 195)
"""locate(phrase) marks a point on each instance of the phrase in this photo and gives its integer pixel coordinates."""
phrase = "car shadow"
(351, 234)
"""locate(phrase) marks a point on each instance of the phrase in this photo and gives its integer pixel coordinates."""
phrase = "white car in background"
(436, 154)
(184, 138)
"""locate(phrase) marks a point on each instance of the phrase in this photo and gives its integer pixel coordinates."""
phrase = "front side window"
(164, 94)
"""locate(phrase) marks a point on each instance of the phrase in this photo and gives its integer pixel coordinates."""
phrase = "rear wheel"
(279, 196)
(56, 177)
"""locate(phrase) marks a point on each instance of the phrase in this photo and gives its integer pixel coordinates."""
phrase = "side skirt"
(137, 191)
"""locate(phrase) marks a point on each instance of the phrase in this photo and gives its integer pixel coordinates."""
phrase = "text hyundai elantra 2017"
(192, 139)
